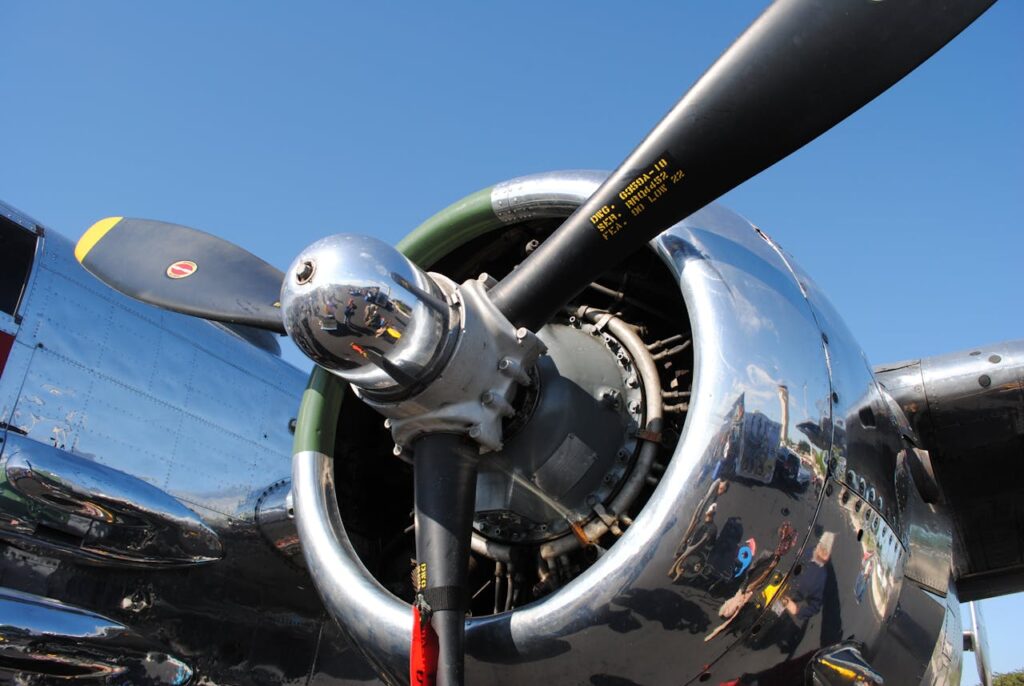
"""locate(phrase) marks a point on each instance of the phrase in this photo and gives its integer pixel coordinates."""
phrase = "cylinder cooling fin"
(670, 456)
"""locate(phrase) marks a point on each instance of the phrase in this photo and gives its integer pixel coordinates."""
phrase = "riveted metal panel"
(114, 382)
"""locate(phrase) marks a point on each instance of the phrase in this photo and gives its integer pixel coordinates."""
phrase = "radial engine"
(688, 470)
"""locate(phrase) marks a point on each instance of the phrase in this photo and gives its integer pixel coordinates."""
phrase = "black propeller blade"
(444, 474)
(800, 69)
(181, 269)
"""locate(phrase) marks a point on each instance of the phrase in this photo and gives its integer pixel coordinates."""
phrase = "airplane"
(764, 416)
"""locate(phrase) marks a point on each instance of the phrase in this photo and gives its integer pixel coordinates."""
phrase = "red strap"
(423, 655)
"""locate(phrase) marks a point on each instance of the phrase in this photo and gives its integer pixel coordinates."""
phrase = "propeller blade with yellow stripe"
(184, 270)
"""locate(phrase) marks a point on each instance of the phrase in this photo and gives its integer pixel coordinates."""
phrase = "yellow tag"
(769, 592)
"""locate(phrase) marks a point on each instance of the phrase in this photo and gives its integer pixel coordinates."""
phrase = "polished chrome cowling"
(779, 392)
(356, 306)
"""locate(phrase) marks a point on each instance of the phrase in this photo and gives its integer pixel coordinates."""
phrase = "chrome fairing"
(46, 637)
(137, 445)
(777, 401)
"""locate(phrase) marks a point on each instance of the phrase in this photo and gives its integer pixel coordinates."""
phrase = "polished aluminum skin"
(356, 306)
(44, 636)
(967, 409)
(136, 446)
(811, 545)
(108, 515)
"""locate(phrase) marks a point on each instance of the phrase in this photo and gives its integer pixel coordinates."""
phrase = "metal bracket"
(474, 392)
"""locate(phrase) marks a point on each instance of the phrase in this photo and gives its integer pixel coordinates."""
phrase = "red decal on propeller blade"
(181, 269)
(423, 655)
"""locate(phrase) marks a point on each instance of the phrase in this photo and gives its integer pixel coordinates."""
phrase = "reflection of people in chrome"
(703, 537)
(370, 315)
(861, 584)
(692, 540)
(804, 595)
(762, 585)
(802, 599)
(717, 488)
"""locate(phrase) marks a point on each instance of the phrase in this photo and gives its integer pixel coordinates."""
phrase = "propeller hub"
(359, 308)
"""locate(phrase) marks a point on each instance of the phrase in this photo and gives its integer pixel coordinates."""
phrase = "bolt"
(531, 246)
(475, 431)
(497, 402)
(623, 454)
(632, 381)
(512, 368)
(634, 406)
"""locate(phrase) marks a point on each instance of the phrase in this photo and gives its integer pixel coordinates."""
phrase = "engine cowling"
(766, 465)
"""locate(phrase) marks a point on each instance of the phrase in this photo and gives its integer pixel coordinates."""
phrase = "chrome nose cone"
(359, 308)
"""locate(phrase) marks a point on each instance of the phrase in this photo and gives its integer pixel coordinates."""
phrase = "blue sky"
(273, 128)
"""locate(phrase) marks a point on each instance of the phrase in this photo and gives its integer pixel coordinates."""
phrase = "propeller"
(799, 69)
(184, 270)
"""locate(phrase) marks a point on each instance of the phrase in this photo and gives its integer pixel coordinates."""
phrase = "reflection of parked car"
(791, 468)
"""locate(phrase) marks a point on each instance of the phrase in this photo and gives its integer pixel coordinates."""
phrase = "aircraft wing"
(967, 410)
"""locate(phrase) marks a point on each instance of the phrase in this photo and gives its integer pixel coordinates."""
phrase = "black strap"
(441, 598)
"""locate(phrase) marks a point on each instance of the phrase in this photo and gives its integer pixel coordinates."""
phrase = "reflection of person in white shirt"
(805, 593)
